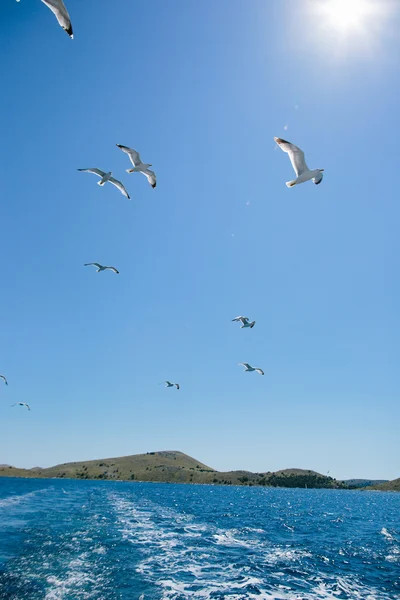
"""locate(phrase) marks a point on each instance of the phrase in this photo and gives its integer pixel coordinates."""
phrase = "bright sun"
(344, 15)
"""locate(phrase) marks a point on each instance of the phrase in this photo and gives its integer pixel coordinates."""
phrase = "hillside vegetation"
(388, 486)
(173, 467)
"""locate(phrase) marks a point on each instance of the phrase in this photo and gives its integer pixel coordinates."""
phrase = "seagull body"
(104, 177)
(245, 322)
(101, 267)
(58, 8)
(169, 384)
(22, 404)
(248, 367)
(4, 379)
(299, 164)
(139, 166)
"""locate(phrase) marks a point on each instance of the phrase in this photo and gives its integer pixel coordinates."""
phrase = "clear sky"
(200, 88)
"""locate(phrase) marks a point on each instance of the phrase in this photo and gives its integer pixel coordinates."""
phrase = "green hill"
(172, 467)
(388, 486)
(354, 484)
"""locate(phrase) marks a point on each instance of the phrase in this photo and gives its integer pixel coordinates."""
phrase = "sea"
(117, 540)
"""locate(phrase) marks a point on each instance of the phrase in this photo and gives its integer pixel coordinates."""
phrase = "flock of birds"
(296, 156)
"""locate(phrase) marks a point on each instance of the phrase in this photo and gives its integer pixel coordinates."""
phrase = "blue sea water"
(116, 540)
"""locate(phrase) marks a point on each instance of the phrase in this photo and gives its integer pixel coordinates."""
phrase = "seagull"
(58, 8)
(107, 177)
(101, 267)
(248, 367)
(22, 404)
(169, 384)
(245, 322)
(299, 164)
(5, 380)
(138, 166)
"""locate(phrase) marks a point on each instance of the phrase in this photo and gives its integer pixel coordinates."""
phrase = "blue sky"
(200, 89)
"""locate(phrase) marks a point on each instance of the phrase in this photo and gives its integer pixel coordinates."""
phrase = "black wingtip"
(317, 182)
(70, 32)
(154, 185)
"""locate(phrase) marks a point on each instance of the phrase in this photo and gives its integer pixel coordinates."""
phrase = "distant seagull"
(64, 492)
(245, 322)
(169, 384)
(138, 166)
(4, 379)
(22, 404)
(101, 267)
(58, 8)
(248, 367)
(299, 164)
(107, 177)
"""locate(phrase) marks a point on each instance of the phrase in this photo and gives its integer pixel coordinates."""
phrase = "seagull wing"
(133, 155)
(58, 8)
(151, 177)
(98, 172)
(5, 380)
(246, 365)
(27, 405)
(240, 319)
(177, 385)
(119, 186)
(260, 371)
(168, 383)
(113, 269)
(92, 264)
(295, 154)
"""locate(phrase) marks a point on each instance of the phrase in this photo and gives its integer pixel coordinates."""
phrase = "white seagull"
(299, 164)
(101, 267)
(58, 8)
(245, 322)
(138, 166)
(248, 367)
(4, 379)
(22, 404)
(169, 384)
(107, 177)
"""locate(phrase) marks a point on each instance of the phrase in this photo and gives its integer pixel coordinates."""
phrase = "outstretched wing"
(92, 264)
(5, 380)
(57, 7)
(260, 371)
(151, 177)
(98, 172)
(295, 154)
(119, 186)
(177, 385)
(240, 319)
(113, 269)
(133, 155)
(246, 365)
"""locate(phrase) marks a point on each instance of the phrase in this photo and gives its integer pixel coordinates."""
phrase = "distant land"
(173, 467)
(388, 486)
(354, 484)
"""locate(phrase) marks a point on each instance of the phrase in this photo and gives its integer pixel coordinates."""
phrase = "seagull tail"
(291, 183)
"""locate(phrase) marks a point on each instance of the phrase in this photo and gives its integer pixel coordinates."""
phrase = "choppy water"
(111, 540)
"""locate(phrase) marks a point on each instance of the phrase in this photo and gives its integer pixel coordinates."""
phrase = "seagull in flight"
(169, 384)
(248, 367)
(101, 267)
(104, 177)
(4, 379)
(138, 166)
(22, 404)
(245, 322)
(299, 164)
(58, 8)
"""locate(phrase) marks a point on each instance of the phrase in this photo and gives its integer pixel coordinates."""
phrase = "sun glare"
(346, 15)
